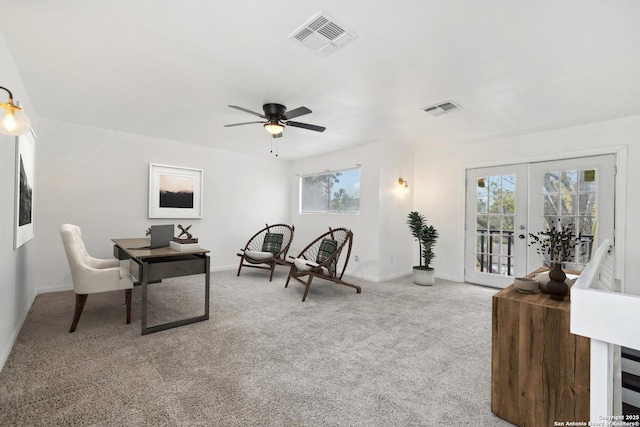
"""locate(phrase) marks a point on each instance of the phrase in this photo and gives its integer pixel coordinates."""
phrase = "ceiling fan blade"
(297, 112)
(306, 126)
(277, 135)
(240, 124)
(248, 111)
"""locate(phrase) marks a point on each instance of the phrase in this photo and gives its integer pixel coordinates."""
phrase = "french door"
(506, 203)
(496, 214)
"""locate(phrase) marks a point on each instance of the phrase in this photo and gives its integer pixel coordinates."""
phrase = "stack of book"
(184, 245)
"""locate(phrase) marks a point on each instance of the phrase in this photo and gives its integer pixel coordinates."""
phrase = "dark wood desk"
(153, 265)
(539, 370)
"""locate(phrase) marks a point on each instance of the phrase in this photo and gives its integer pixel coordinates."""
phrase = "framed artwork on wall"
(24, 188)
(174, 192)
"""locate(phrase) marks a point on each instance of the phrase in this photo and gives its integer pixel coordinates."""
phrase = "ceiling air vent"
(440, 109)
(323, 34)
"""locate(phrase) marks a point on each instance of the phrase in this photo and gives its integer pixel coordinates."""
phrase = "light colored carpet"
(395, 355)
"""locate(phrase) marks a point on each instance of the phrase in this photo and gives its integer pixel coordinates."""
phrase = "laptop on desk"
(161, 235)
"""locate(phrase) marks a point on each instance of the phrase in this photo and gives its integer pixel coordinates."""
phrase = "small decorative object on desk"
(186, 244)
(557, 245)
(188, 239)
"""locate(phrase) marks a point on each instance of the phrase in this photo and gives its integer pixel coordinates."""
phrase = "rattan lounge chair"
(321, 259)
(267, 248)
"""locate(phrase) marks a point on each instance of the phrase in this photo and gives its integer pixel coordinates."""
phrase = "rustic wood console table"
(539, 370)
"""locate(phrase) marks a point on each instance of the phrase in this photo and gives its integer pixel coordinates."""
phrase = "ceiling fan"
(277, 117)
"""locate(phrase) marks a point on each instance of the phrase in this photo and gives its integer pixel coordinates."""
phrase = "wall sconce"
(404, 184)
(13, 120)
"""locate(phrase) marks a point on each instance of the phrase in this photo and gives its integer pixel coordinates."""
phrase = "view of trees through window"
(331, 192)
(568, 196)
(495, 216)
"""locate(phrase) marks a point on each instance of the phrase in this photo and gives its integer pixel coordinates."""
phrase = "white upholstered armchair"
(92, 275)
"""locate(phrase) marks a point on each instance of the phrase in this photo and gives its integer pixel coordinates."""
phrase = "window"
(331, 192)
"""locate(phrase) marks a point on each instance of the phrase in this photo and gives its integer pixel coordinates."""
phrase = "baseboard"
(224, 268)
(359, 275)
(398, 275)
(393, 276)
(449, 277)
(50, 289)
(6, 349)
(8, 346)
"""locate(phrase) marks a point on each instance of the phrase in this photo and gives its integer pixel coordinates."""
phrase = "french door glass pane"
(570, 196)
(495, 210)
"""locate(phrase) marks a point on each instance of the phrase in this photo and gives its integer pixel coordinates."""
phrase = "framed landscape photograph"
(25, 188)
(174, 192)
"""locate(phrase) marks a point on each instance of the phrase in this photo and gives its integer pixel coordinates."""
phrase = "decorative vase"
(423, 276)
(557, 287)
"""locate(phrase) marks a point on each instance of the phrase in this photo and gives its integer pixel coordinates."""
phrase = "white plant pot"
(423, 277)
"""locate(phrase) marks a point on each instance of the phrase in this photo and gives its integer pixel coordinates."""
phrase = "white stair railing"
(609, 318)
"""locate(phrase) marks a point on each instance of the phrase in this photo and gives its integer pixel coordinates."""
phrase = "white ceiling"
(169, 69)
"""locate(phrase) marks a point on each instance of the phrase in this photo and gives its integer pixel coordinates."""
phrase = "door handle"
(522, 236)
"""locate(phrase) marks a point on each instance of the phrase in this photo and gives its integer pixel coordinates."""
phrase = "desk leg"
(144, 279)
(207, 281)
(144, 276)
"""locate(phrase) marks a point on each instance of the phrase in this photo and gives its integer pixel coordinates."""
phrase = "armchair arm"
(101, 263)
(88, 280)
(303, 264)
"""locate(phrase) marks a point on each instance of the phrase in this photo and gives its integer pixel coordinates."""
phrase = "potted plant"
(556, 245)
(426, 235)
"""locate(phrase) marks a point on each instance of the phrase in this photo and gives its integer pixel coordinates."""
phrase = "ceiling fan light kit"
(273, 127)
(277, 117)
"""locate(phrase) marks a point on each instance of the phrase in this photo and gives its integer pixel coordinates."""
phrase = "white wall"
(98, 180)
(397, 250)
(381, 241)
(17, 266)
(440, 184)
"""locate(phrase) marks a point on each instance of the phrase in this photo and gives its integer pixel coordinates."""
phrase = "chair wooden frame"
(328, 269)
(255, 244)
